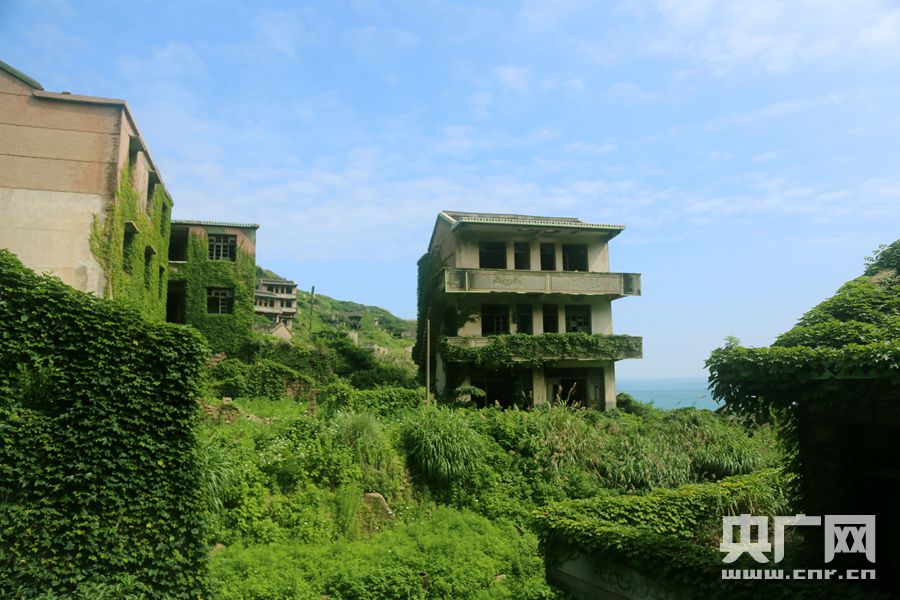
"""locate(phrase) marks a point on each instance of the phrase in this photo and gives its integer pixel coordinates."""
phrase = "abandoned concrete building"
(488, 277)
(212, 278)
(80, 195)
(81, 199)
(276, 300)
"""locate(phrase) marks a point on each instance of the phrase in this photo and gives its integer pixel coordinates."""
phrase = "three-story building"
(520, 307)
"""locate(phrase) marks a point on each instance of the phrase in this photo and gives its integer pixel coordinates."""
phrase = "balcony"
(536, 350)
(275, 310)
(542, 282)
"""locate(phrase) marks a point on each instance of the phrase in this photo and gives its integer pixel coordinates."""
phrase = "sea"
(669, 392)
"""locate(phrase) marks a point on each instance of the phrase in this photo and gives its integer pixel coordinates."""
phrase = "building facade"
(520, 308)
(276, 300)
(80, 196)
(212, 279)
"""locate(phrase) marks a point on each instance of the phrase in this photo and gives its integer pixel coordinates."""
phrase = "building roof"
(457, 218)
(278, 281)
(20, 76)
(216, 224)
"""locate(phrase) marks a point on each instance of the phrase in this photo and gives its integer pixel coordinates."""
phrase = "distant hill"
(376, 325)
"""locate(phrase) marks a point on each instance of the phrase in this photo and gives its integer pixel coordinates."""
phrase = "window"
(178, 244)
(494, 319)
(524, 323)
(578, 318)
(161, 282)
(148, 260)
(551, 318)
(220, 300)
(522, 253)
(548, 257)
(128, 247)
(574, 257)
(492, 255)
(152, 181)
(222, 247)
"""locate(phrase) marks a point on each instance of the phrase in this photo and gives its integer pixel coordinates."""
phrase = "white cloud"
(172, 61)
(777, 35)
(516, 79)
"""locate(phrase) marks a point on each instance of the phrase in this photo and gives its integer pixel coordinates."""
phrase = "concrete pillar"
(598, 257)
(537, 318)
(510, 255)
(538, 386)
(535, 248)
(609, 385)
(601, 317)
(561, 315)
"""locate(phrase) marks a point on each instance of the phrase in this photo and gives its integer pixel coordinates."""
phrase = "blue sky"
(749, 147)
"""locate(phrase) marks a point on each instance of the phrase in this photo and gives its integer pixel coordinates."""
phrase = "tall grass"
(441, 446)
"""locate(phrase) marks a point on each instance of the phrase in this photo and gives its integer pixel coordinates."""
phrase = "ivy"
(225, 332)
(666, 534)
(98, 473)
(430, 268)
(129, 281)
(505, 351)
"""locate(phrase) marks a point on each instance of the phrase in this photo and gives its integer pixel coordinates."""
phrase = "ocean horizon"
(669, 392)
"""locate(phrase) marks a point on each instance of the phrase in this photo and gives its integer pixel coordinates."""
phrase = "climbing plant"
(131, 243)
(225, 332)
(504, 351)
(98, 473)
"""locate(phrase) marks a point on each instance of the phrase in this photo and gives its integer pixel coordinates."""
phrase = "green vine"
(225, 332)
(98, 409)
(505, 351)
(131, 280)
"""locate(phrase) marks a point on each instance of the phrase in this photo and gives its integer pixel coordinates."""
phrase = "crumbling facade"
(520, 309)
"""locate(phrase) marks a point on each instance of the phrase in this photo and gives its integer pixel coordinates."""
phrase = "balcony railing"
(505, 350)
(545, 282)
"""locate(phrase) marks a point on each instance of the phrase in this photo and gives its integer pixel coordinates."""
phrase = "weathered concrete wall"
(50, 233)
(587, 577)
(57, 173)
(466, 255)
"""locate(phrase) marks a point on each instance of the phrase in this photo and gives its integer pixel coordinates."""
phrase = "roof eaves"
(216, 224)
(20, 76)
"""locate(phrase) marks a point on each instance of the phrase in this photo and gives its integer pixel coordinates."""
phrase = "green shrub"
(666, 533)
(309, 450)
(441, 446)
(450, 554)
(627, 404)
(382, 401)
(381, 467)
(98, 470)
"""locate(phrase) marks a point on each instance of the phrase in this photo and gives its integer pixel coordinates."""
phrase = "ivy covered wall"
(224, 332)
(131, 244)
(99, 480)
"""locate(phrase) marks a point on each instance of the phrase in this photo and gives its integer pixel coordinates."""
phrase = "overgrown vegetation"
(318, 471)
(99, 480)
(505, 351)
(224, 332)
(131, 244)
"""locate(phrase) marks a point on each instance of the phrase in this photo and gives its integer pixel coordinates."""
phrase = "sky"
(750, 148)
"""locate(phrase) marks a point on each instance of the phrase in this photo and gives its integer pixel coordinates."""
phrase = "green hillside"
(375, 324)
